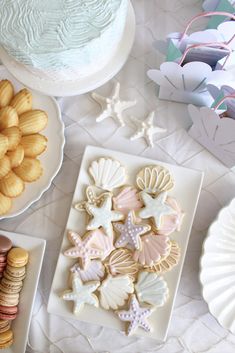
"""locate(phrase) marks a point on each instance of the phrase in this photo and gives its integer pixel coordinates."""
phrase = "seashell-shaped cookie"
(11, 185)
(166, 264)
(8, 117)
(107, 173)
(22, 101)
(121, 262)
(154, 179)
(127, 200)
(33, 145)
(5, 166)
(6, 92)
(29, 170)
(94, 272)
(151, 289)
(114, 291)
(32, 122)
(3, 145)
(154, 247)
(14, 135)
(16, 157)
(5, 204)
(102, 242)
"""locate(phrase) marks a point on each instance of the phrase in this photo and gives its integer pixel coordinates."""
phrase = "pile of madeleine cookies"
(20, 143)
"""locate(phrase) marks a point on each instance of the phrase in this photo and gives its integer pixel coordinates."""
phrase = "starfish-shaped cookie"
(81, 294)
(92, 198)
(136, 315)
(130, 232)
(155, 207)
(146, 129)
(103, 216)
(82, 249)
(112, 106)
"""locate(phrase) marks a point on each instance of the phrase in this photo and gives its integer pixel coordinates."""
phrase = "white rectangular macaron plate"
(20, 326)
(186, 191)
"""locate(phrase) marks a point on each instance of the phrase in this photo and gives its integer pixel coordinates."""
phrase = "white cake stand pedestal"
(78, 86)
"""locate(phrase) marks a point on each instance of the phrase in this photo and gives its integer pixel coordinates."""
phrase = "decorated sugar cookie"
(154, 179)
(81, 294)
(93, 272)
(121, 262)
(151, 289)
(102, 242)
(82, 248)
(107, 173)
(155, 207)
(153, 248)
(92, 199)
(114, 291)
(171, 223)
(136, 315)
(127, 200)
(103, 216)
(130, 232)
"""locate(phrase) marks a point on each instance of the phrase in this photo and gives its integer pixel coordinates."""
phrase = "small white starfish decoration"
(112, 106)
(103, 216)
(155, 207)
(146, 129)
(136, 315)
(130, 232)
(81, 294)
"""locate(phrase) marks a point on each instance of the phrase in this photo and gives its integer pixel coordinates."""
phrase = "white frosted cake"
(62, 39)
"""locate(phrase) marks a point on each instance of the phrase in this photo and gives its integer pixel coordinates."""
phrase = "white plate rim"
(80, 86)
(47, 186)
(201, 267)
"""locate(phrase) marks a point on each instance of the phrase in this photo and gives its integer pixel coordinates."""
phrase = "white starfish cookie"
(81, 294)
(112, 106)
(136, 315)
(130, 232)
(146, 129)
(155, 207)
(103, 216)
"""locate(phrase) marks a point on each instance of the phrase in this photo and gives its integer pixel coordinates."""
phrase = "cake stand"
(78, 86)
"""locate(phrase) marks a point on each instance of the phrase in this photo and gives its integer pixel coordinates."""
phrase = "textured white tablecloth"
(192, 328)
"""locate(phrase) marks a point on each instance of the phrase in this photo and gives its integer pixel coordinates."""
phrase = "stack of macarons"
(5, 246)
(10, 288)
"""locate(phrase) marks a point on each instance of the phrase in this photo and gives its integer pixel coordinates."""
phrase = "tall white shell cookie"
(151, 289)
(107, 173)
(114, 291)
(154, 179)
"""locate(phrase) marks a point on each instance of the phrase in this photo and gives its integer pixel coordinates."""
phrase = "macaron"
(9, 299)
(4, 325)
(17, 257)
(6, 339)
(15, 271)
(12, 278)
(8, 312)
(5, 244)
(7, 286)
(3, 258)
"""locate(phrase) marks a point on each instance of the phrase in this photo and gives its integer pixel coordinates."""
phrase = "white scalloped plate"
(217, 263)
(51, 159)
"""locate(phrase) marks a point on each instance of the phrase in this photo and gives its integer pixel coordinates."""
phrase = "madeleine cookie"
(6, 92)
(22, 101)
(29, 170)
(32, 122)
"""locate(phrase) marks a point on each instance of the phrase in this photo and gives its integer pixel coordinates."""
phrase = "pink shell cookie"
(171, 223)
(102, 242)
(154, 247)
(127, 200)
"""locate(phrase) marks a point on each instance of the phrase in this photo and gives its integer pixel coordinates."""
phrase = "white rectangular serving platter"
(20, 326)
(187, 189)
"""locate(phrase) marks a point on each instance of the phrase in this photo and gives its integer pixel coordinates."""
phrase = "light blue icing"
(59, 33)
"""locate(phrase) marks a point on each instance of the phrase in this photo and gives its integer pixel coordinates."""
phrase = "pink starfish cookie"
(82, 248)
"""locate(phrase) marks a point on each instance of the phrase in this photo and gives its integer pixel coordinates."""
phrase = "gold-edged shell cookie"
(34, 144)
(5, 166)
(121, 262)
(8, 117)
(6, 92)
(29, 170)
(5, 204)
(11, 185)
(14, 135)
(22, 101)
(32, 122)
(154, 179)
(16, 156)
(3, 145)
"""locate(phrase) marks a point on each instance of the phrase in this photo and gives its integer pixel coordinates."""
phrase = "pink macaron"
(8, 312)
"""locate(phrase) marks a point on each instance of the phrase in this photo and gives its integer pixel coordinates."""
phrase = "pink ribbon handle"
(211, 44)
(221, 101)
(207, 14)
